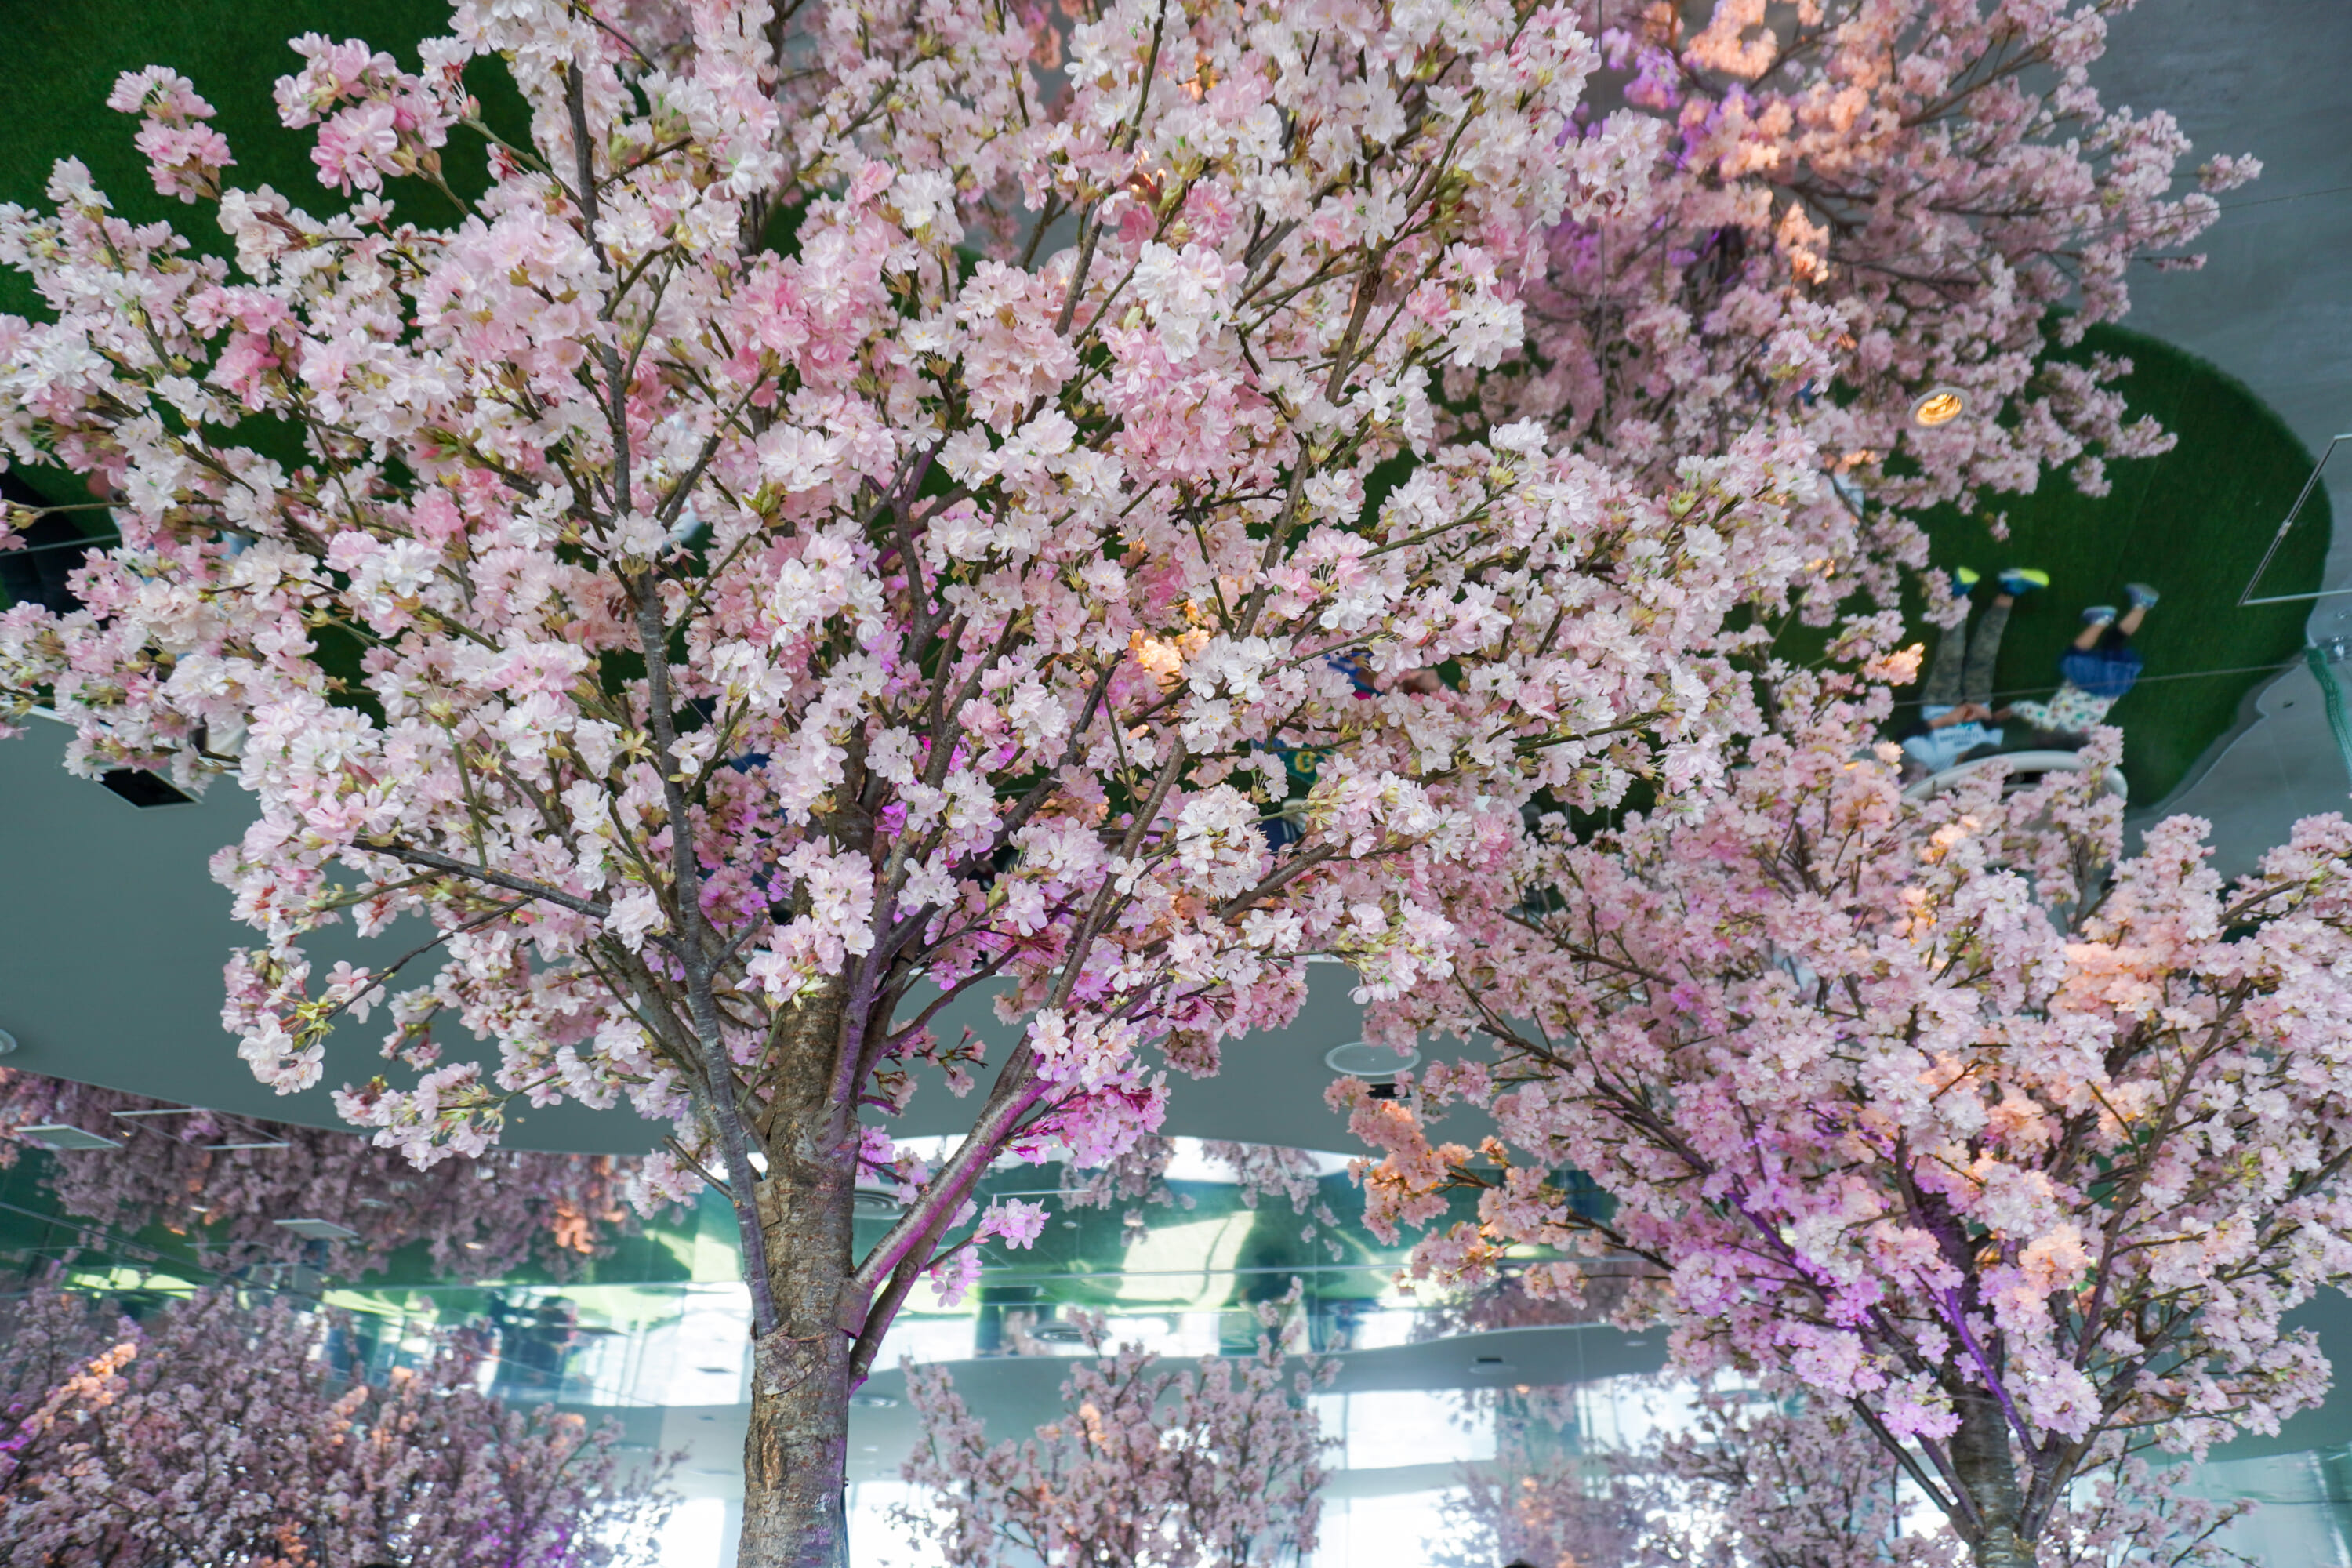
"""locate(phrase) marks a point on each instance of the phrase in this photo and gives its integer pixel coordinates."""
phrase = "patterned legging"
(1962, 668)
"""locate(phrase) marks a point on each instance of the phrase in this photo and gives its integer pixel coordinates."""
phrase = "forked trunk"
(795, 1453)
(1981, 1458)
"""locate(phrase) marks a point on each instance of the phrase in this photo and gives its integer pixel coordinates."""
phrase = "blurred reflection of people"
(1957, 700)
(2099, 668)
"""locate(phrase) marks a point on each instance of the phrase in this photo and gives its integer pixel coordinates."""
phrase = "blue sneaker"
(2019, 581)
(2099, 615)
(1963, 579)
(2141, 595)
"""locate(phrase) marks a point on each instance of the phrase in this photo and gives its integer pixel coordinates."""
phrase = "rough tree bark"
(795, 1452)
(1981, 1459)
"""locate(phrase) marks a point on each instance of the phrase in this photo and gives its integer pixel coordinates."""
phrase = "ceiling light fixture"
(318, 1229)
(7, 1043)
(1362, 1058)
(1938, 407)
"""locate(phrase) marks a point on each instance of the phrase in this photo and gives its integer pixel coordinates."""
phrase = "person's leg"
(1984, 648)
(1942, 689)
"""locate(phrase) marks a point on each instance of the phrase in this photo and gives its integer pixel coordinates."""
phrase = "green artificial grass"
(2191, 523)
(63, 59)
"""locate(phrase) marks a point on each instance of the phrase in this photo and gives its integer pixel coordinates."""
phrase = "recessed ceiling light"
(873, 1402)
(318, 1229)
(7, 1042)
(874, 1202)
(57, 1136)
(1492, 1366)
(1362, 1058)
(1940, 406)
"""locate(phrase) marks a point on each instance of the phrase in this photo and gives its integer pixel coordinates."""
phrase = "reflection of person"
(2099, 668)
(1957, 701)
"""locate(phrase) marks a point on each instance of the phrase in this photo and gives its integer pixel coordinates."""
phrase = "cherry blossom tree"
(1219, 1466)
(1138, 1177)
(838, 525)
(1830, 209)
(2017, 1147)
(216, 1433)
(1751, 1480)
(1543, 1508)
(1750, 1484)
(229, 1180)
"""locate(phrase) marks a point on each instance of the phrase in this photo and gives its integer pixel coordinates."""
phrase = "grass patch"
(66, 58)
(2192, 523)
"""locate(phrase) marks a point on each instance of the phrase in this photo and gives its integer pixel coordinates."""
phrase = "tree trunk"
(1980, 1457)
(797, 1451)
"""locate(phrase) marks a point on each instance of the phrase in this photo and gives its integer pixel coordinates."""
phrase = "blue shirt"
(1944, 748)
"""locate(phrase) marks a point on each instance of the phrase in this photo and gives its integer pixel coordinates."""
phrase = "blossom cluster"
(1748, 1477)
(218, 1432)
(1219, 1466)
(1949, 1110)
(226, 1180)
(1831, 210)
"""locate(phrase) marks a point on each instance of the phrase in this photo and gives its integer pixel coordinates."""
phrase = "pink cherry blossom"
(1754, 1479)
(184, 157)
(479, 1220)
(838, 526)
(2018, 1146)
(219, 1431)
(1824, 211)
(1215, 1467)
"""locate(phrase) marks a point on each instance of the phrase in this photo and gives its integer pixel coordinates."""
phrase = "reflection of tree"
(1754, 1485)
(1756, 1481)
(1744, 1486)
(480, 1218)
(1542, 1499)
(1267, 1180)
(217, 1433)
(1614, 1292)
(531, 1342)
(1217, 1466)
